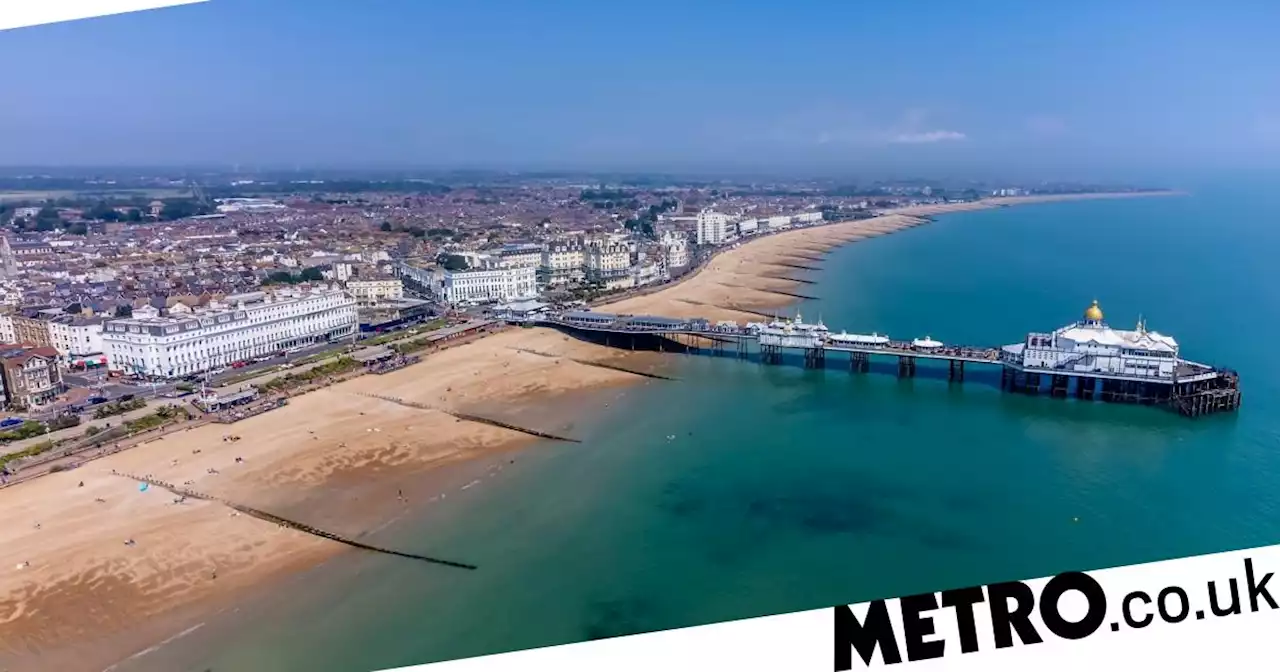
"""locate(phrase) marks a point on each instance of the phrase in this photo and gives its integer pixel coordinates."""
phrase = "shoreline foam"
(87, 600)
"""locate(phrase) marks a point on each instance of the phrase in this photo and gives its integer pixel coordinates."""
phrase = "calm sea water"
(786, 489)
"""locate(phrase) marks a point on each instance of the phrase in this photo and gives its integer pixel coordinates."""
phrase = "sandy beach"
(91, 566)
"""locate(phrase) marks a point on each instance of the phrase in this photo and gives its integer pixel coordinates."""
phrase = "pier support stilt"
(955, 370)
(859, 362)
(906, 367)
(1058, 386)
(1086, 387)
(1031, 383)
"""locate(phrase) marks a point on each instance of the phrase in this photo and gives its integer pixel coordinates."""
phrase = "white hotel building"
(563, 262)
(608, 262)
(676, 247)
(373, 291)
(240, 328)
(489, 282)
(714, 228)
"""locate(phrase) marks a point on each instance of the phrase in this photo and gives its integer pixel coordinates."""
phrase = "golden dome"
(1093, 313)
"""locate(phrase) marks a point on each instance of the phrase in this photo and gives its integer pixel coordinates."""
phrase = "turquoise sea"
(786, 489)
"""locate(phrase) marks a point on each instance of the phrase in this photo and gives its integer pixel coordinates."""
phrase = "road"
(86, 420)
(226, 382)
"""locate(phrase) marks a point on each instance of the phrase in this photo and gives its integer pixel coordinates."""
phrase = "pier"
(1086, 360)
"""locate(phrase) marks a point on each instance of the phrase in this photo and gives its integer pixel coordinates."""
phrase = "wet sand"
(74, 595)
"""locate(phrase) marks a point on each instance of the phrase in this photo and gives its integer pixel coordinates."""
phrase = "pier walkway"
(1190, 388)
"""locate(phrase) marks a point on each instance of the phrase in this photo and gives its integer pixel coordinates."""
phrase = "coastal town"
(245, 358)
(477, 336)
(108, 295)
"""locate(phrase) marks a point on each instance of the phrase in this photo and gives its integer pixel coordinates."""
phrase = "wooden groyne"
(736, 309)
(293, 524)
(769, 316)
(791, 294)
(788, 278)
(602, 365)
(806, 257)
(472, 418)
(779, 292)
(803, 267)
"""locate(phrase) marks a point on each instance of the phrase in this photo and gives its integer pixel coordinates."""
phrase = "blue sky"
(1062, 89)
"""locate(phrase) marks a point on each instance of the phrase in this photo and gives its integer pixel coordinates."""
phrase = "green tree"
(178, 210)
(454, 262)
(48, 214)
(124, 310)
(312, 274)
(386, 226)
(103, 212)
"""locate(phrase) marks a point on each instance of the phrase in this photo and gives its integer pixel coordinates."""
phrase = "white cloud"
(927, 137)
(837, 126)
(911, 129)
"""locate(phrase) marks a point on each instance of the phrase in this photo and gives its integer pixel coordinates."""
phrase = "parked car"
(10, 422)
(96, 400)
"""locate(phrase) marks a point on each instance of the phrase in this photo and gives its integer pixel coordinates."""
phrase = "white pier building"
(1090, 347)
(792, 333)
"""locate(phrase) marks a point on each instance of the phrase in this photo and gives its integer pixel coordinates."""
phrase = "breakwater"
(469, 417)
(293, 524)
